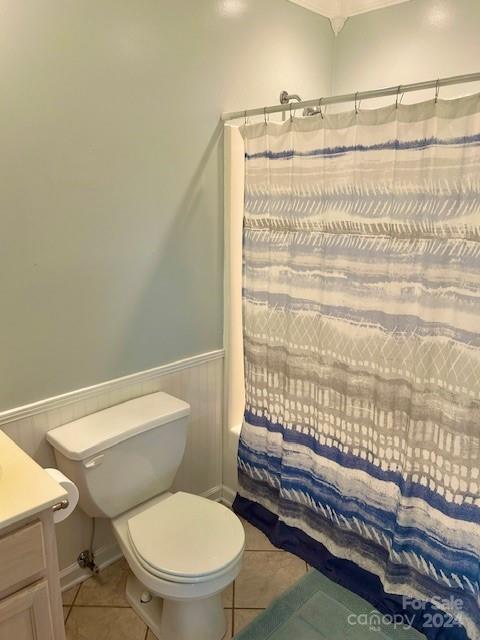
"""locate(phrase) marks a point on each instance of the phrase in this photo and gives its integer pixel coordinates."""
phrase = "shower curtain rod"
(348, 97)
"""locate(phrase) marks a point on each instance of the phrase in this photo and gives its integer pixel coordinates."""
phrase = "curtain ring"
(320, 107)
(265, 115)
(291, 116)
(437, 90)
(357, 104)
(397, 101)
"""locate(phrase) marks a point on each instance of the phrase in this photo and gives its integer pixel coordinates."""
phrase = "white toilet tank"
(124, 455)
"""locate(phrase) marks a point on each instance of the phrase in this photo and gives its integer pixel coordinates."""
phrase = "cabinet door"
(25, 615)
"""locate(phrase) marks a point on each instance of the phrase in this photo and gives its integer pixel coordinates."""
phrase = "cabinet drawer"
(22, 556)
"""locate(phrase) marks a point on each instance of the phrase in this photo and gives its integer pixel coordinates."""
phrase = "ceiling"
(339, 10)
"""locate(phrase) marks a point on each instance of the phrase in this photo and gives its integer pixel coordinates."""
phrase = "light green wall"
(410, 42)
(111, 162)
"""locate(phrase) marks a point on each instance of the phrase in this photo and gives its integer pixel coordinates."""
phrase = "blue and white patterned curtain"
(360, 450)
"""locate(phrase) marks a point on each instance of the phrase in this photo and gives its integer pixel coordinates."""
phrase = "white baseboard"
(215, 494)
(73, 574)
(228, 496)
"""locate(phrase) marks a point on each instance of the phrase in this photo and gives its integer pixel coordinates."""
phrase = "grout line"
(73, 602)
(102, 606)
(68, 613)
(266, 550)
(233, 608)
(76, 595)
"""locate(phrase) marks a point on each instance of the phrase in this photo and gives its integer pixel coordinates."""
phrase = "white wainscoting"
(198, 380)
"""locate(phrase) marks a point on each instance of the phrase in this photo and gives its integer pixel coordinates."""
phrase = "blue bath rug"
(317, 608)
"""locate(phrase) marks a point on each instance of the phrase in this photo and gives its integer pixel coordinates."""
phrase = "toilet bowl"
(183, 550)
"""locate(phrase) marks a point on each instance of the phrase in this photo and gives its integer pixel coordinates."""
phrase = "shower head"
(286, 97)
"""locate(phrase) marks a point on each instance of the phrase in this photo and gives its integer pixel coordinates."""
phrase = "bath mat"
(317, 608)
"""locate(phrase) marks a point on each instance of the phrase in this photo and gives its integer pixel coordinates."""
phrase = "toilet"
(183, 550)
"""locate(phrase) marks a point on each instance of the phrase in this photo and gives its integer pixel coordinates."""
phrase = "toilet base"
(149, 612)
(202, 619)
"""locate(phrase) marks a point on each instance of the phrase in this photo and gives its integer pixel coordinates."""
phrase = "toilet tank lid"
(98, 431)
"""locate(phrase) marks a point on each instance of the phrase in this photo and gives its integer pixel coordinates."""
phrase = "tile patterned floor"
(98, 610)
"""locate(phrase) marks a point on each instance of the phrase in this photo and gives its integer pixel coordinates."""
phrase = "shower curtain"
(360, 448)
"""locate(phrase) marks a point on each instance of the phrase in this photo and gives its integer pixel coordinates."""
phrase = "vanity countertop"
(25, 488)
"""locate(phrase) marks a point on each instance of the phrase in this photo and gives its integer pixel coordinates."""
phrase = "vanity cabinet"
(27, 614)
(30, 600)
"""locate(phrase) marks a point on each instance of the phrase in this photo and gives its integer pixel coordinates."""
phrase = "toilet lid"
(186, 537)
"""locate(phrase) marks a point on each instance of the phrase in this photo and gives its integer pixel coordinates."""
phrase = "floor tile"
(255, 540)
(227, 635)
(104, 623)
(68, 596)
(106, 588)
(242, 617)
(227, 597)
(264, 576)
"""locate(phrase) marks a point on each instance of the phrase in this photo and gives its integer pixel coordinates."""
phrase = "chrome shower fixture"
(286, 98)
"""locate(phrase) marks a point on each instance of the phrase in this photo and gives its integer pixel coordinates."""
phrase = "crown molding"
(338, 11)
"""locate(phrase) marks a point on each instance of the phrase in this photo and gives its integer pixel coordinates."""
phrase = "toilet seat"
(186, 539)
